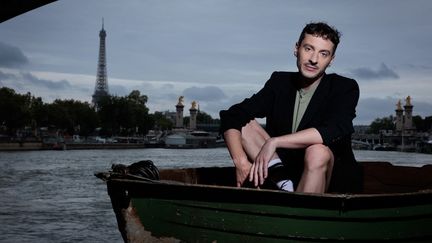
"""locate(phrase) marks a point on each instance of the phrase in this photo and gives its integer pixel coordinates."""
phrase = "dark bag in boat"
(144, 169)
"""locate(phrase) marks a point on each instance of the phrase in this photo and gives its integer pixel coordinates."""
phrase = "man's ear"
(332, 59)
(296, 47)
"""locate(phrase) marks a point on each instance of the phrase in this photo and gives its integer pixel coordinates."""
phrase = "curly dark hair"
(323, 30)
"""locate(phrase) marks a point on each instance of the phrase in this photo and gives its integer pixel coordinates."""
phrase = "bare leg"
(318, 166)
(253, 138)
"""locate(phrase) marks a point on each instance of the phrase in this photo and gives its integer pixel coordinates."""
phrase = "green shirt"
(302, 100)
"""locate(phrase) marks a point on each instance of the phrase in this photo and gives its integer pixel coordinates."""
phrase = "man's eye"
(325, 54)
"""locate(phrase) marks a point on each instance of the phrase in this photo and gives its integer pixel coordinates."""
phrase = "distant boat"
(203, 205)
(191, 139)
(384, 147)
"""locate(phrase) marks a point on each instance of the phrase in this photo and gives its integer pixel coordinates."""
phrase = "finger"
(251, 172)
(238, 180)
(265, 169)
(262, 170)
(258, 172)
(255, 173)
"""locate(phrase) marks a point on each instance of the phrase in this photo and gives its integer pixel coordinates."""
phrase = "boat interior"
(379, 177)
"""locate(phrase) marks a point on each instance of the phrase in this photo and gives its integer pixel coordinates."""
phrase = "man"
(308, 123)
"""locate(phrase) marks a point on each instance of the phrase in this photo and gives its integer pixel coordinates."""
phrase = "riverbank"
(21, 146)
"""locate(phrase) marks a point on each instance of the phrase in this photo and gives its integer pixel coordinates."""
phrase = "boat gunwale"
(174, 190)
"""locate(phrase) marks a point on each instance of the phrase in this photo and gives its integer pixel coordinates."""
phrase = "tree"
(136, 97)
(126, 115)
(74, 117)
(428, 123)
(140, 119)
(14, 110)
(160, 122)
(107, 113)
(38, 114)
(422, 125)
(385, 123)
(203, 117)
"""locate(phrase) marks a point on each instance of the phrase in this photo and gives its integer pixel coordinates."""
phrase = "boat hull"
(192, 221)
(169, 211)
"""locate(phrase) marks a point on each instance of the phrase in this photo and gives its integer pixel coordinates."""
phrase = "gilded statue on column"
(399, 105)
(408, 100)
(180, 101)
(194, 105)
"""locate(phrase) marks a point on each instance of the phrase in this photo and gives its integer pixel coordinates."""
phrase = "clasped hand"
(259, 170)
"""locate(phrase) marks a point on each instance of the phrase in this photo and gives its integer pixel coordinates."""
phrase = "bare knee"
(318, 157)
(253, 129)
(253, 137)
(247, 129)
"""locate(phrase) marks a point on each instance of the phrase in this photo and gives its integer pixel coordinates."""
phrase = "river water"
(53, 196)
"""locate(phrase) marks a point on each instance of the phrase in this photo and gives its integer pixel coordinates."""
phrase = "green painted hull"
(190, 212)
(193, 221)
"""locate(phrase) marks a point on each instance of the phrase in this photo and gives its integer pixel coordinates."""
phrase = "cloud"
(383, 72)
(53, 85)
(422, 109)
(11, 56)
(4, 76)
(369, 109)
(207, 93)
(419, 66)
(118, 90)
(46, 88)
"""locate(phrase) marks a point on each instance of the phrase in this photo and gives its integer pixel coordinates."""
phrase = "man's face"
(314, 54)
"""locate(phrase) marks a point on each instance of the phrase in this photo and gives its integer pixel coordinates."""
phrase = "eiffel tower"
(101, 87)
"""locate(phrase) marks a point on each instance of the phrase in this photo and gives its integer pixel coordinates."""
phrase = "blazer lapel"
(290, 109)
(318, 99)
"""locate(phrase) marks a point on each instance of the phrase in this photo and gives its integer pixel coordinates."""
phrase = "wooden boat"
(203, 205)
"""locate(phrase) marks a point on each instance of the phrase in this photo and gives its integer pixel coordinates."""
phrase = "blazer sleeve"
(341, 112)
(257, 106)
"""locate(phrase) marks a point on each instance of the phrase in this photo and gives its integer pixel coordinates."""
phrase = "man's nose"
(313, 58)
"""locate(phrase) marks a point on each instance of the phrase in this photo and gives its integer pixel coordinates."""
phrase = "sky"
(216, 52)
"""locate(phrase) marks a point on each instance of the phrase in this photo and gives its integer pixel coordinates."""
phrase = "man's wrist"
(241, 161)
(275, 142)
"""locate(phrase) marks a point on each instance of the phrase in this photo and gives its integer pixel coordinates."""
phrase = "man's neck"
(306, 84)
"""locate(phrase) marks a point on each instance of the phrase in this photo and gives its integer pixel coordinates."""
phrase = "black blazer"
(331, 111)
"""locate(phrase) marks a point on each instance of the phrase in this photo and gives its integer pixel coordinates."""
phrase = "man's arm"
(338, 122)
(259, 105)
(300, 139)
(238, 155)
(297, 140)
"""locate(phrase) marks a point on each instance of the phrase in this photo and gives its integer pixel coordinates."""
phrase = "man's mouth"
(311, 68)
